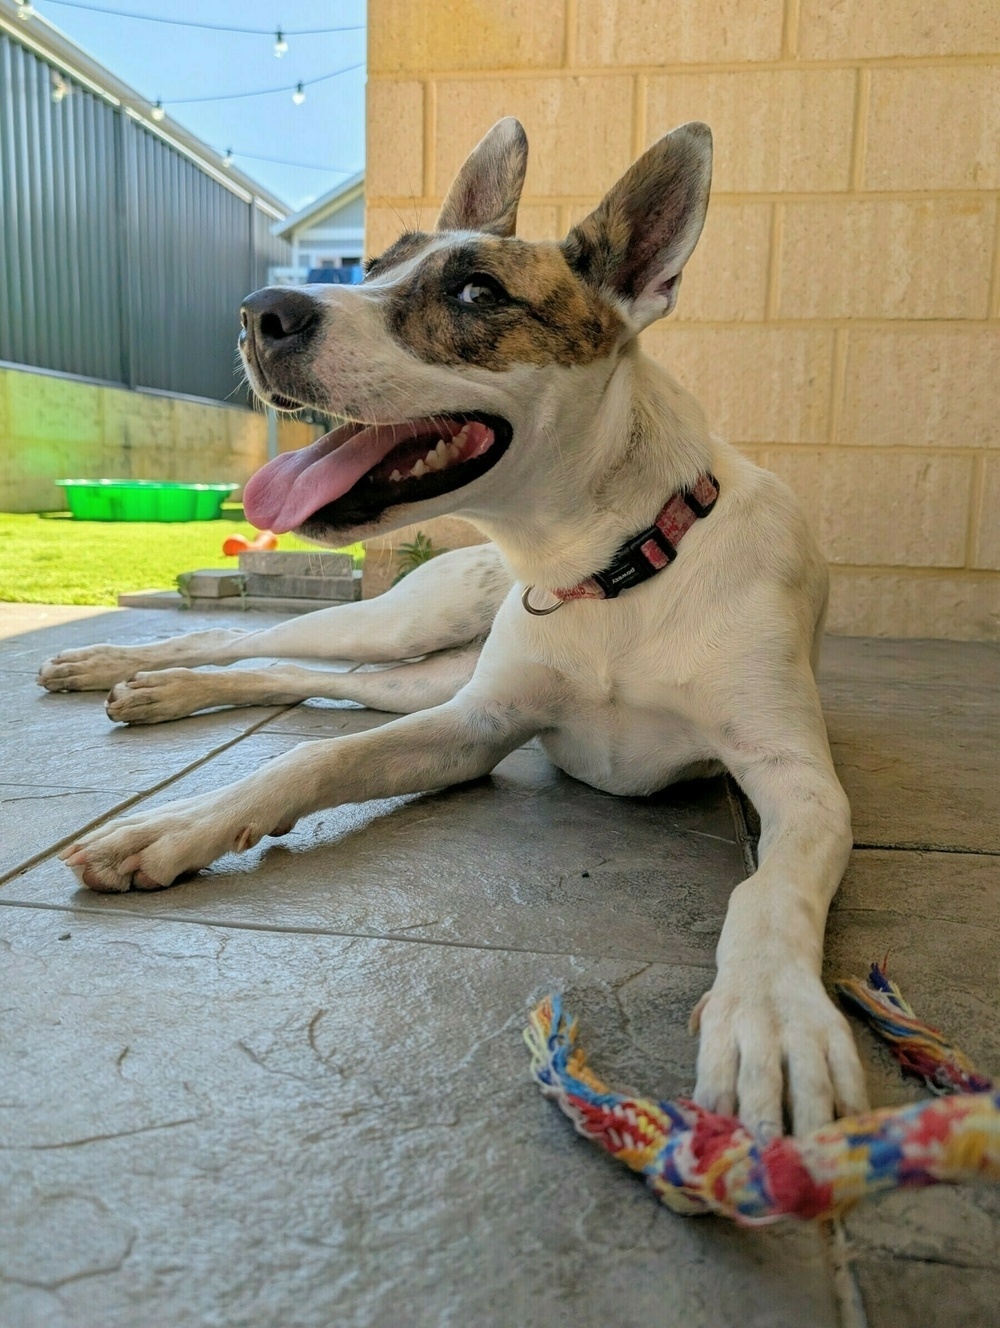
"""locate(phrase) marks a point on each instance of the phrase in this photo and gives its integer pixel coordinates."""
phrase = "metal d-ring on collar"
(539, 613)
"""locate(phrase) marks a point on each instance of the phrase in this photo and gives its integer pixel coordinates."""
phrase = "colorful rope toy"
(695, 1161)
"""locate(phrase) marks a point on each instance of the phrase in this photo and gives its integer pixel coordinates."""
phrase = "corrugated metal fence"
(120, 258)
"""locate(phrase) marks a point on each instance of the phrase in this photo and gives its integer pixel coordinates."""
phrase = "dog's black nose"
(276, 314)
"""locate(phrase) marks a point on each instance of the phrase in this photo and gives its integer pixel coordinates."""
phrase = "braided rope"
(695, 1161)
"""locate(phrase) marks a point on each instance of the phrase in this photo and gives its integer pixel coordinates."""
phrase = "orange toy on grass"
(240, 544)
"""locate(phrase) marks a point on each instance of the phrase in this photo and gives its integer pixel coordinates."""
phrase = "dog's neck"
(612, 457)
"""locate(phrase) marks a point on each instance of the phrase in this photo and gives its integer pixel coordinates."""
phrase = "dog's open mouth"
(350, 476)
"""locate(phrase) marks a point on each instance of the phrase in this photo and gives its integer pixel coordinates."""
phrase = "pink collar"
(646, 553)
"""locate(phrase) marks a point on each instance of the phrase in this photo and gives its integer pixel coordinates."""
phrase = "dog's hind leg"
(449, 601)
(150, 698)
(96, 668)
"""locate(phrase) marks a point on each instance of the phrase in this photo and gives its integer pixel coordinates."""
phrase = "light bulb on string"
(299, 95)
(280, 45)
(60, 88)
(227, 160)
(25, 9)
(158, 112)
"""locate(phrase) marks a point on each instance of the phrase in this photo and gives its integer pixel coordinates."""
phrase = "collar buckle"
(632, 564)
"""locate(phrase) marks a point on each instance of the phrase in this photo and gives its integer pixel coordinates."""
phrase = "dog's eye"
(479, 289)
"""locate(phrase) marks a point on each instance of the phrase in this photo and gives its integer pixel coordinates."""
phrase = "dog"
(650, 605)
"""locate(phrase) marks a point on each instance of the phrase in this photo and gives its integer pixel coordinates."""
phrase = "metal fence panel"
(59, 306)
(191, 264)
(120, 258)
(269, 250)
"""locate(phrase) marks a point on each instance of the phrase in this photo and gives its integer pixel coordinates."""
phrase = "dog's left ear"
(636, 242)
(487, 190)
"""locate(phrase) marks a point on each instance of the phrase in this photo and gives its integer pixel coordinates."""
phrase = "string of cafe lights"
(26, 10)
(298, 91)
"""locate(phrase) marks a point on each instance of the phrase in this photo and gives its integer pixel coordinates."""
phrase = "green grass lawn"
(50, 558)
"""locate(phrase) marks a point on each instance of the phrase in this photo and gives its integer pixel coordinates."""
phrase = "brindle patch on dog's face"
(537, 310)
(408, 244)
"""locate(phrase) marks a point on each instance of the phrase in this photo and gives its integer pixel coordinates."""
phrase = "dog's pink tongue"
(285, 493)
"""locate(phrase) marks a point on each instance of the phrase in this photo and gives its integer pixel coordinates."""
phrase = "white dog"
(650, 606)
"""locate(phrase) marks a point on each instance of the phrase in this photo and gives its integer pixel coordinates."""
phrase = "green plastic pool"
(144, 500)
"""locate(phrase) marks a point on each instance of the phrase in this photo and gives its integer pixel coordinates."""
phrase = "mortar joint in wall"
(859, 138)
(774, 263)
(430, 134)
(777, 65)
(993, 308)
(976, 512)
(640, 85)
(838, 383)
(570, 19)
(790, 30)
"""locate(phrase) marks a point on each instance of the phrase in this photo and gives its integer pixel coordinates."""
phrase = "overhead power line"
(302, 165)
(192, 23)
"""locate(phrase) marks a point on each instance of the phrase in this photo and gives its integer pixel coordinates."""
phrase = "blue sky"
(166, 62)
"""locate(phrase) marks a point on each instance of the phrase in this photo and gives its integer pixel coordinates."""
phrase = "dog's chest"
(625, 750)
(623, 725)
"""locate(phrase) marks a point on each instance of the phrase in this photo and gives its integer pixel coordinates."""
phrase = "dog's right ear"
(636, 241)
(487, 190)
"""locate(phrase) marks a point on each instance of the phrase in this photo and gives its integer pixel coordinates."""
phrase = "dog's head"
(464, 352)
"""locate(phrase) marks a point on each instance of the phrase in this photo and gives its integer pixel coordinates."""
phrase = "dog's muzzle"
(277, 322)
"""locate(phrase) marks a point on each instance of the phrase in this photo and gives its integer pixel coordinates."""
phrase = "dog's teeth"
(418, 471)
(454, 452)
(461, 436)
(433, 461)
(442, 452)
(395, 477)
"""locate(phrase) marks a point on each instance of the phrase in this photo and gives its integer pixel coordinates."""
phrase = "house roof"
(321, 207)
(46, 40)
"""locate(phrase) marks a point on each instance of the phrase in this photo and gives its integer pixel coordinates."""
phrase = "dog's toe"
(773, 1042)
(124, 703)
(154, 849)
(151, 698)
(92, 669)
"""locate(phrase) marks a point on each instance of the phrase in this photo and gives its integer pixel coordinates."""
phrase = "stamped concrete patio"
(292, 1093)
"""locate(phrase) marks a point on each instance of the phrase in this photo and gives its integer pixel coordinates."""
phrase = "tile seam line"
(278, 929)
(119, 807)
(848, 1300)
(928, 848)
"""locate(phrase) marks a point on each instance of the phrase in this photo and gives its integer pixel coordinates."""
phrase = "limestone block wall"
(54, 427)
(840, 320)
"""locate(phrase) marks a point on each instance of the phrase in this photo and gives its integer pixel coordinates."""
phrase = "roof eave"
(341, 194)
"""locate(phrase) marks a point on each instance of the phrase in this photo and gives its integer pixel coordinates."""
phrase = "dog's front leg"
(770, 1035)
(455, 742)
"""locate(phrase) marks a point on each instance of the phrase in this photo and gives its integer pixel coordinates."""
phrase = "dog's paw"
(154, 849)
(773, 1041)
(152, 698)
(93, 669)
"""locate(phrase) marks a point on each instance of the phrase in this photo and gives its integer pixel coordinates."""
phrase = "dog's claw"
(143, 881)
(154, 849)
